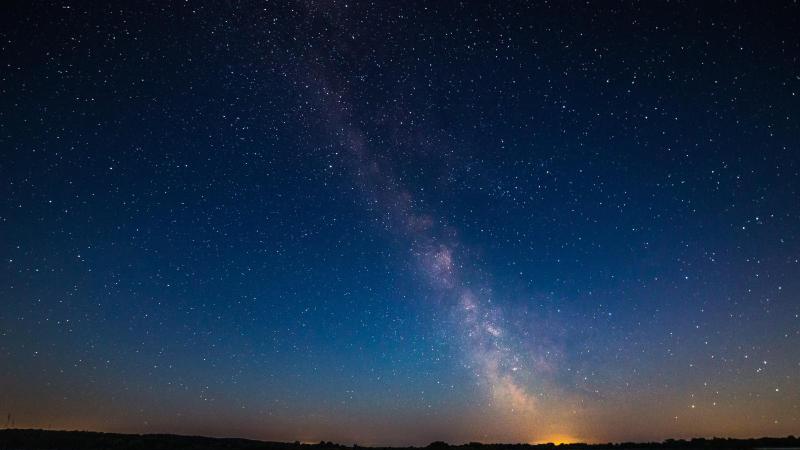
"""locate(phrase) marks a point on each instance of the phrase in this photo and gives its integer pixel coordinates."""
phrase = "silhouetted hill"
(63, 440)
(14, 439)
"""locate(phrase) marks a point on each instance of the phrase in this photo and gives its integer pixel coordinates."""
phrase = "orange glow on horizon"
(558, 439)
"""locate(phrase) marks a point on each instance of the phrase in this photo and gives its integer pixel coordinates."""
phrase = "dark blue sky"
(392, 223)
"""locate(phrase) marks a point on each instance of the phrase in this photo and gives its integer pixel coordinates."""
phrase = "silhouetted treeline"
(84, 440)
(670, 444)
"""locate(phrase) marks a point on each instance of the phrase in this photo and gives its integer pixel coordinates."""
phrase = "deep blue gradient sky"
(399, 222)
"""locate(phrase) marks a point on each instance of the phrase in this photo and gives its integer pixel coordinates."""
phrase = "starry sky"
(399, 222)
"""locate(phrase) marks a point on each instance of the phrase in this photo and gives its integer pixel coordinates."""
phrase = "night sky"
(400, 222)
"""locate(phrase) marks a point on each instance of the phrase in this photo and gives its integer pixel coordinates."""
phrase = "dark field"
(14, 439)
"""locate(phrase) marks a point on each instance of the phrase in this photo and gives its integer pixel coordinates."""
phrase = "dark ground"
(14, 439)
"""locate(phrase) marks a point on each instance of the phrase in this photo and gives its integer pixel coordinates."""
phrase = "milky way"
(480, 323)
